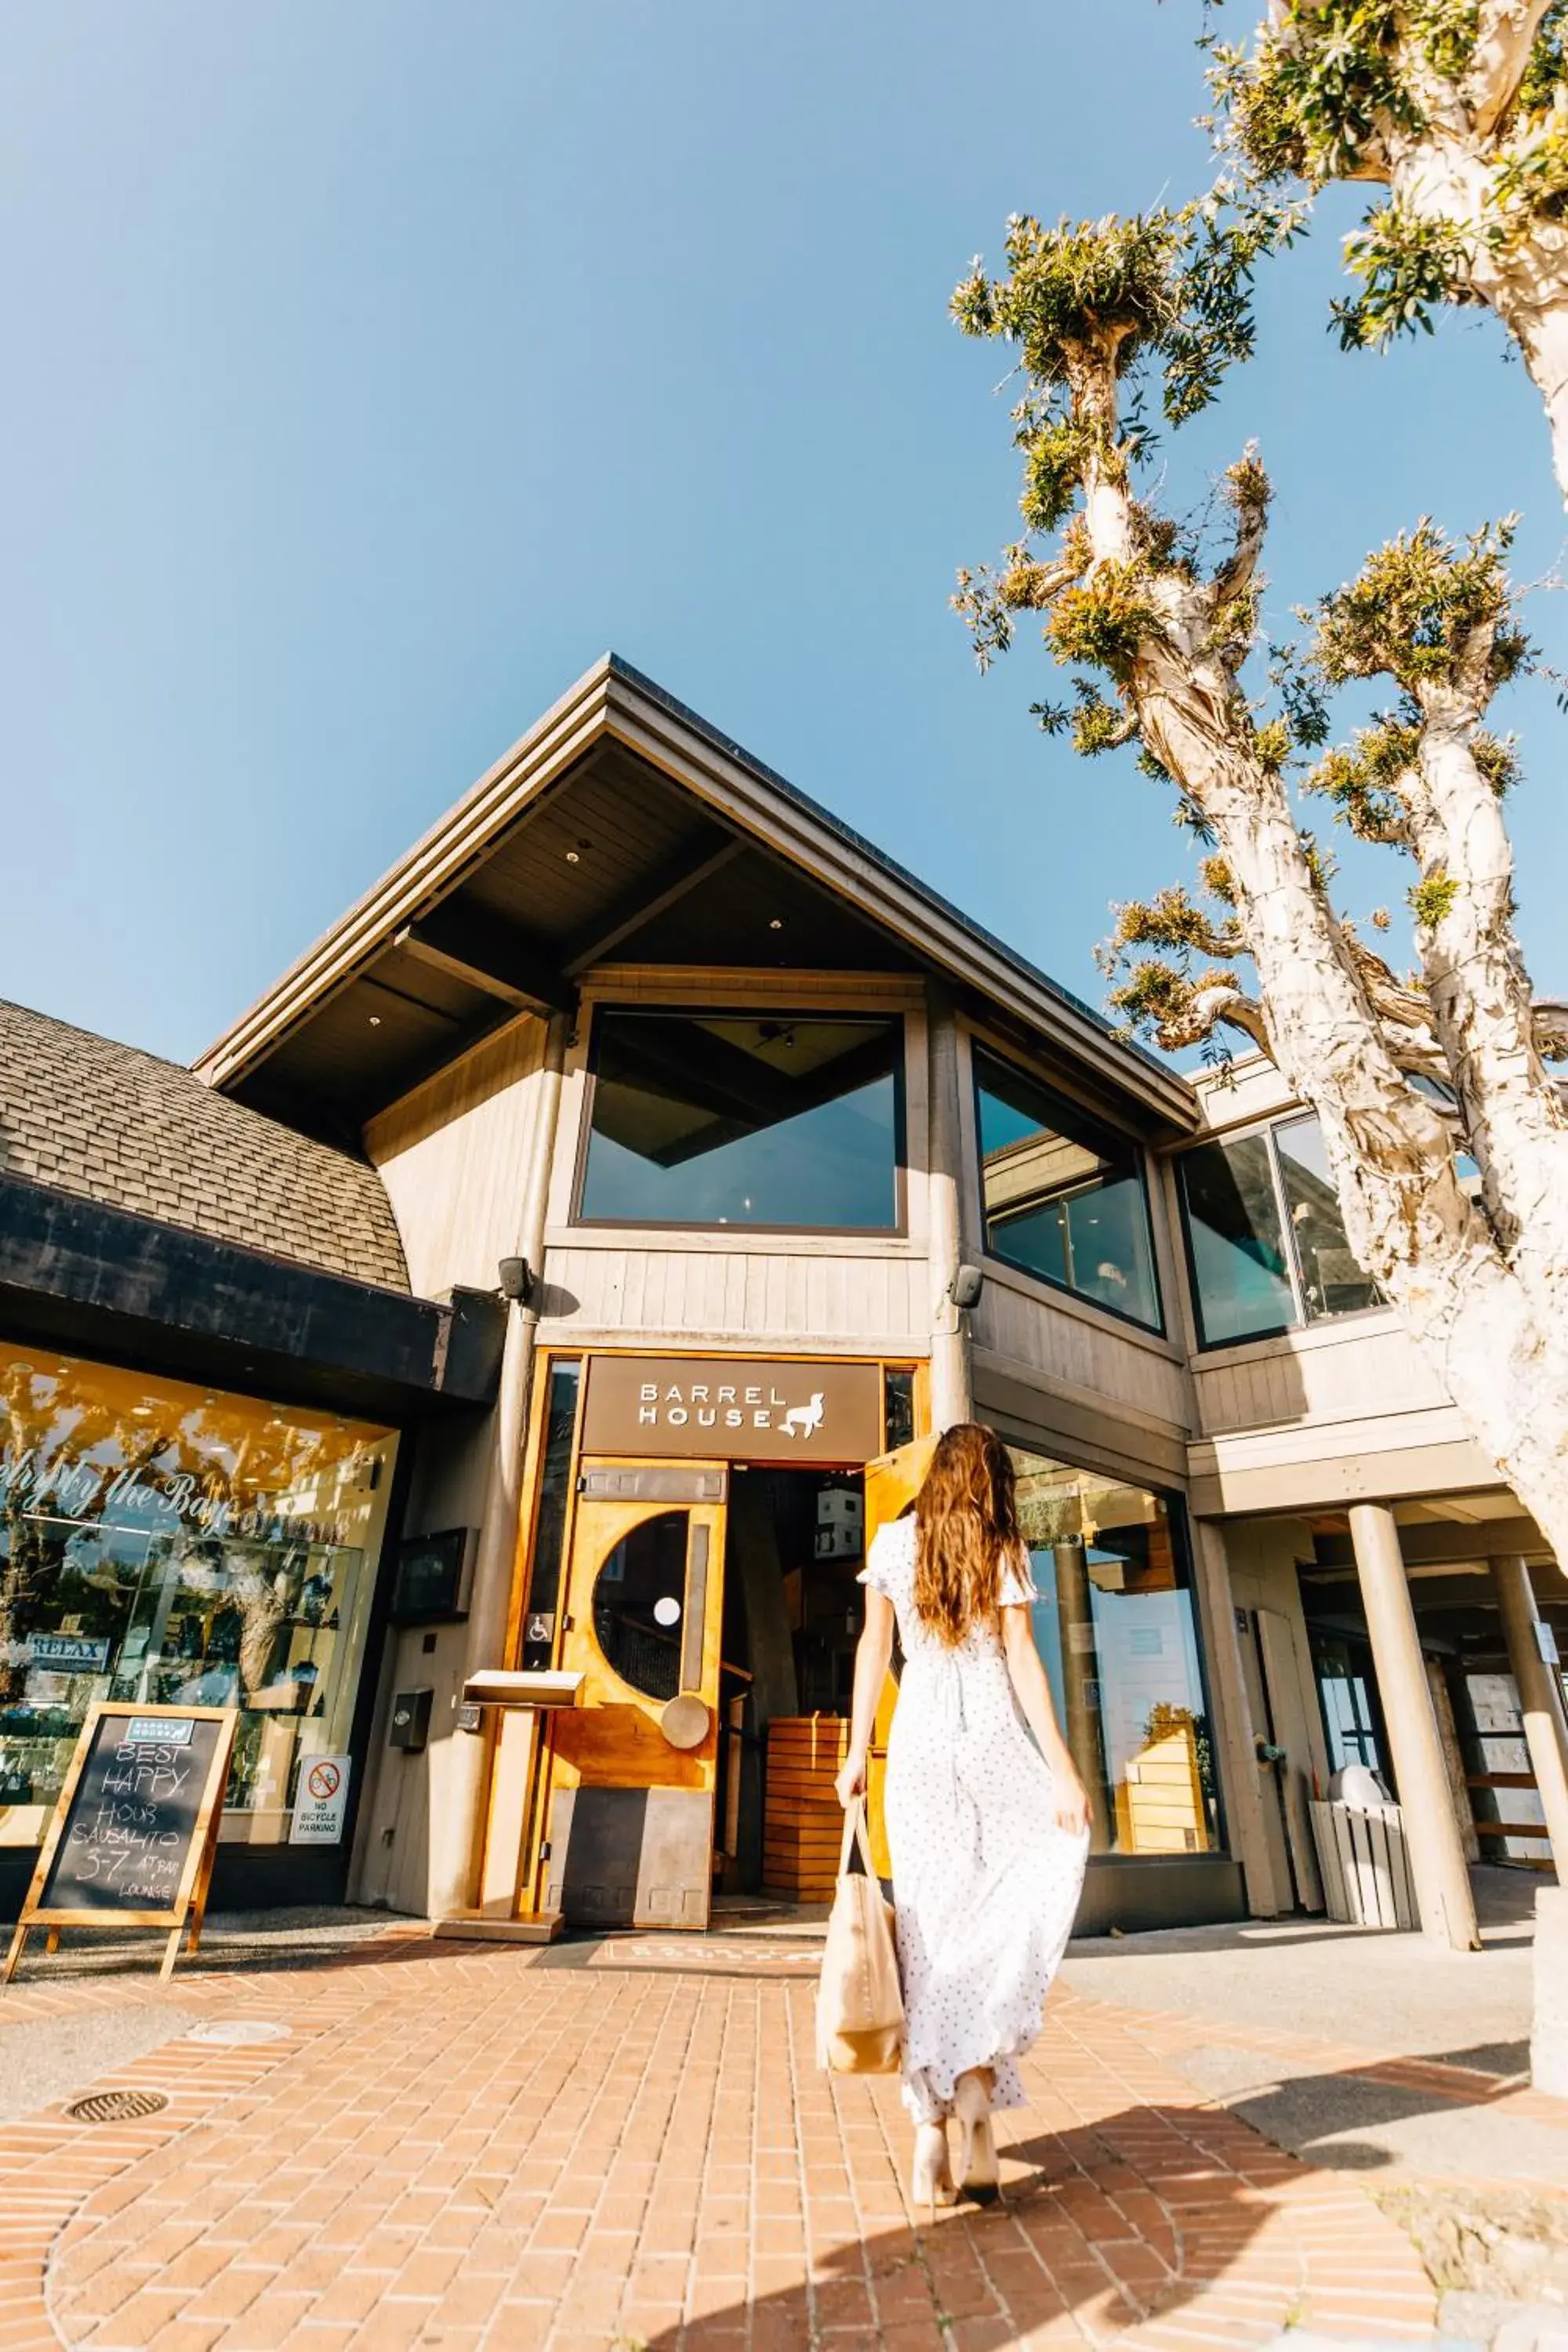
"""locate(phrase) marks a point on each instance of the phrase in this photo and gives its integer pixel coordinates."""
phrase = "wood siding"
(1365, 1366)
(779, 1299)
(453, 1156)
(1079, 1350)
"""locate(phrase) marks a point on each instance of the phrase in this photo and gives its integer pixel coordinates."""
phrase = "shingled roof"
(120, 1126)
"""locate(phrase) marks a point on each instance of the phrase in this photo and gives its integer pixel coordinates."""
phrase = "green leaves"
(1407, 264)
(1411, 612)
(1318, 94)
(1102, 621)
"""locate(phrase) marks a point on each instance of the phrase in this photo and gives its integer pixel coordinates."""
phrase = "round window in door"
(639, 1600)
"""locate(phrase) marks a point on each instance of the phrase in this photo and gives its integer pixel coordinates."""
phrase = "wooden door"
(633, 1768)
(892, 1482)
(1286, 1690)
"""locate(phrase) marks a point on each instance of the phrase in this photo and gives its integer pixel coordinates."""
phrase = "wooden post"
(1235, 1734)
(1437, 1856)
(1539, 1702)
(951, 1384)
(1083, 1728)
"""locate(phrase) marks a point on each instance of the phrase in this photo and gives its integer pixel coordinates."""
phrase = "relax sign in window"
(1064, 1197)
(774, 1120)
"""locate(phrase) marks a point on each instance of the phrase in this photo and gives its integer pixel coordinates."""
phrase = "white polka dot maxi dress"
(986, 1883)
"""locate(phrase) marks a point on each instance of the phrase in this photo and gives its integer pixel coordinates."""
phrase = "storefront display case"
(176, 1545)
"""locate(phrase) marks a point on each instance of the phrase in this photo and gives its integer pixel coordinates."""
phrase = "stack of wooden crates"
(803, 1827)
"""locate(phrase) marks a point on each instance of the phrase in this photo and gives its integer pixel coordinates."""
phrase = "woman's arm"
(1034, 1693)
(872, 1653)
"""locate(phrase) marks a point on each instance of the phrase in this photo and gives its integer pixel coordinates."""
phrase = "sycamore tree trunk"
(1488, 1318)
(1520, 269)
(1409, 1221)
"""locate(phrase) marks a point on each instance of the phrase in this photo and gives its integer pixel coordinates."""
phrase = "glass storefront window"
(1064, 1197)
(728, 1119)
(549, 1525)
(1331, 1281)
(170, 1544)
(1238, 1240)
(1116, 1628)
(1267, 1242)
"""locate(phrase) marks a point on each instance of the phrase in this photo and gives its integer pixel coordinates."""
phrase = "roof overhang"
(83, 1276)
(413, 911)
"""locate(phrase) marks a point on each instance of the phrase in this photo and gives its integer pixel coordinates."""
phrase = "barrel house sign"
(723, 1408)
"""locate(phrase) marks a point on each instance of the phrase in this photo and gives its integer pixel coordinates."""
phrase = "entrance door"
(892, 1482)
(1276, 1696)
(632, 1771)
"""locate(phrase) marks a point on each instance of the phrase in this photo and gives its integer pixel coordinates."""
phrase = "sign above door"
(728, 1408)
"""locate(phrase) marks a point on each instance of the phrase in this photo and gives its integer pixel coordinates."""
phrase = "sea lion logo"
(801, 1419)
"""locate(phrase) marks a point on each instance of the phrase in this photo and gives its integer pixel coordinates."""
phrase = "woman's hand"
(1071, 1802)
(851, 1781)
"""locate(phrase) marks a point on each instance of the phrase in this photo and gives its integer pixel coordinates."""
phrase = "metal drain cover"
(239, 2033)
(116, 2106)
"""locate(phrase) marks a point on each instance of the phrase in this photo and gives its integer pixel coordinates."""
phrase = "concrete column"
(1437, 1856)
(1539, 1703)
(1084, 1730)
(952, 1383)
(1549, 2038)
(1236, 1735)
(456, 1840)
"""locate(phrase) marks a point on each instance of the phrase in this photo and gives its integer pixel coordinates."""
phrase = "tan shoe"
(979, 2174)
(930, 2181)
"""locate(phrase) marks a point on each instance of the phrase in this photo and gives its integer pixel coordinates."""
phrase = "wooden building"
(720, 1162)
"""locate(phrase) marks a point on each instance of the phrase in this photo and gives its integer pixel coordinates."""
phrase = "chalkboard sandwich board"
(135, 1828)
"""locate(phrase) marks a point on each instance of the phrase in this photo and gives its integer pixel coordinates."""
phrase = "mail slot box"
(540, 1687)
(411, 1720)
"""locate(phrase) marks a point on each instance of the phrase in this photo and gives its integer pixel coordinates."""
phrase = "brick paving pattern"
(630, 2147)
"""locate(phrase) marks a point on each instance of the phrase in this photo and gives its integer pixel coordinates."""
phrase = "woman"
(988, 1827)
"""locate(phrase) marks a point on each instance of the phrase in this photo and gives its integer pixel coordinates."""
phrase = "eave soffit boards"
(614, 702)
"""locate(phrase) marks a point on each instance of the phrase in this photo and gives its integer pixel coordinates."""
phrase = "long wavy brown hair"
(966, 1522)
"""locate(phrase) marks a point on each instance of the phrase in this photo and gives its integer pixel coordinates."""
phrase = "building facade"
(663, 1167)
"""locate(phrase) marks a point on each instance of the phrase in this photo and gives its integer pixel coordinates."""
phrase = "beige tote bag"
(859, 2007)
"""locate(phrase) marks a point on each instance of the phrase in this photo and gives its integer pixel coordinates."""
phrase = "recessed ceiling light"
(777, 923)
(572, 858)
(375, 1020)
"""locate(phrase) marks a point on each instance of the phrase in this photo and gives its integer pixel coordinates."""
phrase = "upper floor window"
(777, 1120)
(1064, 1197)
(1267, 1242)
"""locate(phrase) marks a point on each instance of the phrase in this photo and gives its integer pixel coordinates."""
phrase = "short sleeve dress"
(986, 1883)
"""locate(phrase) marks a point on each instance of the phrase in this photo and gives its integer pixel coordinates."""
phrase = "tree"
(1110, 320)
(1457, 111)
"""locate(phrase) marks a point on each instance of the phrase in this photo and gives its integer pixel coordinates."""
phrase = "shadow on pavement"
(1112, 2222)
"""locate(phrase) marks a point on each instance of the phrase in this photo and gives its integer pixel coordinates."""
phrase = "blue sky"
(371, 368)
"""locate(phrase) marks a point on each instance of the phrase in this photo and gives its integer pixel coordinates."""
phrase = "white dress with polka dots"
(985, 1882)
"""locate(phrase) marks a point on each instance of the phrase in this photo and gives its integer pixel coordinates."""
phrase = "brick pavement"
(574, 2150)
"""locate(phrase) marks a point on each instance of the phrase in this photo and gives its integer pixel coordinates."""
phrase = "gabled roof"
(623, 825)
(118, 1127)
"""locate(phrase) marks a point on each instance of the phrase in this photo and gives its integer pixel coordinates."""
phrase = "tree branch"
(1503, 42)
(1549, 1021)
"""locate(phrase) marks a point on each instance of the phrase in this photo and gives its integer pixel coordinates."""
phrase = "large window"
(1267, 1242)
(719, 1118)
(169, 1545)
(1064, 1197)
(1115, 1626)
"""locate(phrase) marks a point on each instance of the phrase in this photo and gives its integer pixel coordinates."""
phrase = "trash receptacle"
(1365, 1860)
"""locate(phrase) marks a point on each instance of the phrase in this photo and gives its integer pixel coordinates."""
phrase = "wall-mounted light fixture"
(515, 1280)
(966, 1286)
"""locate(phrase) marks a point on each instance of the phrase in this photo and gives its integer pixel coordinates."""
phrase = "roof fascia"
(436, 863)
